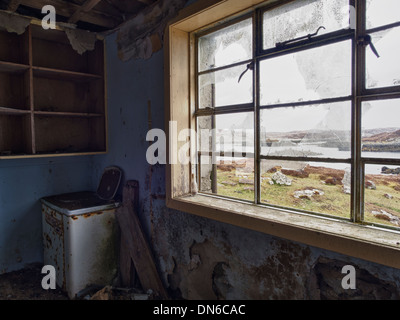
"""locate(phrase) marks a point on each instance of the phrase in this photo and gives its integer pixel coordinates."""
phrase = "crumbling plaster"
(203, 259)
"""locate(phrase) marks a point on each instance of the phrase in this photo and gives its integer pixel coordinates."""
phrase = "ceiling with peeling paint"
(139, 24)
(92, 15)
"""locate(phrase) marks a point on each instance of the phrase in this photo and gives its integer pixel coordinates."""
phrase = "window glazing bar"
(322, 40)
(385, 27)
(305, 159)
(244, 63)
(306, 103)
(248, 107)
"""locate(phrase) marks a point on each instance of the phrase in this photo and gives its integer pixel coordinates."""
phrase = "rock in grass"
(346, 181)
(383, 215)
(307, 194)
(246, 181)
(229, 183)
(249, 189)
(281, 179)
(370, 185)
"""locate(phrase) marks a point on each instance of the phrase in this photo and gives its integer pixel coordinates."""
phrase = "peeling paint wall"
(203, 259)
(143, 35)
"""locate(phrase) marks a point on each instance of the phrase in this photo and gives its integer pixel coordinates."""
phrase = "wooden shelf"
(13, 111)
(10, 67)
(52, 99)
(67, 114)
(14, 48)
(50, 73)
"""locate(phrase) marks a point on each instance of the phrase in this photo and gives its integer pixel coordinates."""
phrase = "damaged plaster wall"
(142, 36)
(203, 259)
(13, 23)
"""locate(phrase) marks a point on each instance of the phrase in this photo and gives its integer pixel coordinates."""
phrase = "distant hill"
(386, 136)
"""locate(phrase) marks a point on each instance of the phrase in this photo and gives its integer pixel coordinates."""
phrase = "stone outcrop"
(281, 179)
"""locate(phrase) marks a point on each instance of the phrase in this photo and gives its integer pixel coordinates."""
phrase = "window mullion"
(257, 47)
(358, 89)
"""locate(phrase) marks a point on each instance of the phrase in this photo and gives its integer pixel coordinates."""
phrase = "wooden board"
(136, 242)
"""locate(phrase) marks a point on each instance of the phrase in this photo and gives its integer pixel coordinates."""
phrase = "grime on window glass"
(221, 88)
(293, 112)
(223, 56)
(314, 74)
(304, 17)
(227, 46)
(225, 157)
(384, 71)
(321, 130)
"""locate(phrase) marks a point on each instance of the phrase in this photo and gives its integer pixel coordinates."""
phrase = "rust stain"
(48, 241)
(91, 214)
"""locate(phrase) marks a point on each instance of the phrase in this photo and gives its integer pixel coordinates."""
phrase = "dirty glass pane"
(222, 88)
(232, 174)
(381, 129)
(226, 46)
(313, 187)
(382, 12)
(385, 70)
(304, 17)
(228, 133)
(382, 195)
(307, 131)
(228, 177)
(313, 74)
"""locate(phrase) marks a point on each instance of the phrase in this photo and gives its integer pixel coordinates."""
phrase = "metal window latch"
(367, 40)
(250, 66)
(309, 36)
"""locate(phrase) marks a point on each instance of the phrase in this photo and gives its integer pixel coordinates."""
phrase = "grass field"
(327, 196)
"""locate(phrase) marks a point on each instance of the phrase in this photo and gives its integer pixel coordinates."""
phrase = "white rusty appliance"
(79, 235)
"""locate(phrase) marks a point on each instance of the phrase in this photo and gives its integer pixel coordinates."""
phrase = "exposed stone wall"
(203, 259)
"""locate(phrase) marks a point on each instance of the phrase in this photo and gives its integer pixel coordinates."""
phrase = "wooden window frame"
(361, 241)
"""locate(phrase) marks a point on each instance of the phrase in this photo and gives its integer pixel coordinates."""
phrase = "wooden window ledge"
(365, 242)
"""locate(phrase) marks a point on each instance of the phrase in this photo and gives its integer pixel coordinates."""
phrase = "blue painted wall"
(132, 87)
(22, 183)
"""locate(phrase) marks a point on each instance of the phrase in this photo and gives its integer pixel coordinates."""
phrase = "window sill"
(364, 242)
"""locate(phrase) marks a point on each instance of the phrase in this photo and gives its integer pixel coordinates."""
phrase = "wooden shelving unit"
(52, 99)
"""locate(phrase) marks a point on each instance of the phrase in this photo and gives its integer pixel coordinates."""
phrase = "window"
(295, 105)
(277, 113)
